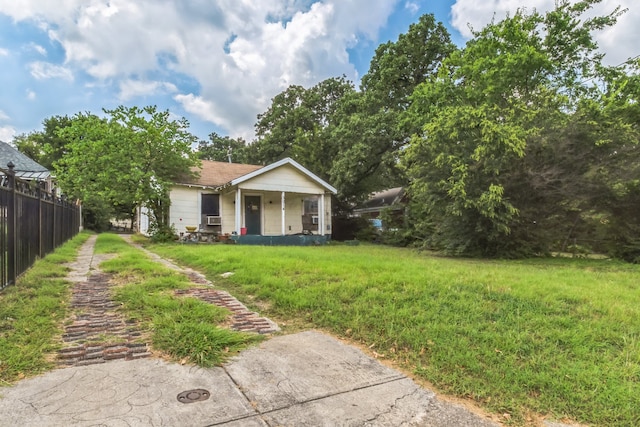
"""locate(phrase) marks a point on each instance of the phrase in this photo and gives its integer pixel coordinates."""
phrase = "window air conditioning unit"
(214, 220)
(314, 219)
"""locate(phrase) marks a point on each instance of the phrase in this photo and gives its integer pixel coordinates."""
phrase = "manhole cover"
(191, 396)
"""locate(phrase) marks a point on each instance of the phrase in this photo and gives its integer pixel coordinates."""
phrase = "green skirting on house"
(293, 240)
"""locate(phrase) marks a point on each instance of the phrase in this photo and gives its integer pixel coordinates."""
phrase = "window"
(310, 213)
(310, 206)
(211, 204)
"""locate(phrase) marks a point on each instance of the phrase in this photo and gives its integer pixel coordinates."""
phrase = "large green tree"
(129, 158)
(297, 125)
(45, 146)
(351, 138)
(507, 154)
(612, 115)
(367, 127)
(223, 149)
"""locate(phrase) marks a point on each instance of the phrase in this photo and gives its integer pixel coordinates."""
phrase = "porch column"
(321, 227)
(238, 210)
(283, 214)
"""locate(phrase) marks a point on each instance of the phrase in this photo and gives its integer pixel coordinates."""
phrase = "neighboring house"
(255, 204)
(392, 199)
(24, 167)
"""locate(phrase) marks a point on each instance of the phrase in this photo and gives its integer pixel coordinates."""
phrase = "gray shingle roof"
(25, 167)
(384, 198)
(215, 174)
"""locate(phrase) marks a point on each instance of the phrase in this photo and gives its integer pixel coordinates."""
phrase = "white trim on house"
(285, 161)
(321, 227)
(284, 213)
(238, 211)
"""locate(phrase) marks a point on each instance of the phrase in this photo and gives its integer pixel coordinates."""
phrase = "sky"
(218, 63)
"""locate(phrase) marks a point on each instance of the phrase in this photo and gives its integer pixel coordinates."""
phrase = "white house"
(247, 201)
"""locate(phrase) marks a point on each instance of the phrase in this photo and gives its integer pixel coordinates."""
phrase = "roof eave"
(276, 165)
(208, 187)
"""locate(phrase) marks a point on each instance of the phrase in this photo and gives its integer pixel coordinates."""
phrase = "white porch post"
(283, 214)
(321, 226)
(238, 210)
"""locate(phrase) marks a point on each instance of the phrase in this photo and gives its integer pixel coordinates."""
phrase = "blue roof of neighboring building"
(24, 167)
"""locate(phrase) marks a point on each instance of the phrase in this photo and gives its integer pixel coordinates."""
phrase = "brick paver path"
(97, 333)
(242, 318)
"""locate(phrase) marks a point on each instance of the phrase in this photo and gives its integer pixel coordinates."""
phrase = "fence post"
(54, 199)
(40, 245)
(12, 238)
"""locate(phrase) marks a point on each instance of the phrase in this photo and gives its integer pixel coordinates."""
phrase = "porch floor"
(291, 240)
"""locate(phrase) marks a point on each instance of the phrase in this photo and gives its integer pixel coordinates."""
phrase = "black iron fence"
(33, 222)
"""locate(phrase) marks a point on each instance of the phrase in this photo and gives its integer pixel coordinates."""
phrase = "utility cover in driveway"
(190, 396)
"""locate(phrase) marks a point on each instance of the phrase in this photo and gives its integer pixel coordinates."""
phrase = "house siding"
(273, 213)
(185, 208)
(186, 201)
(228, 212)
(327, 215)
(285, 178)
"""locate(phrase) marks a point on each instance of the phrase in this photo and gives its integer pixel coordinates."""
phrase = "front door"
(252, 214)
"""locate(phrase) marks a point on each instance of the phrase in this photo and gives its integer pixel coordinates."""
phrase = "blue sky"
(216, 62)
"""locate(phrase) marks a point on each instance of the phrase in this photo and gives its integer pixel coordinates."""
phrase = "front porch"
(250, 212)
(290, 240)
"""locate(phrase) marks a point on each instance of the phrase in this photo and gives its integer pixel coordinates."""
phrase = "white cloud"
(41, 50)
(4, 52)
(200, 107)
(411, 6)
(31, 95)
(241, 53)
(619, 43)
(45, 70)
(3, 116)
(130, 89)
(7, 133)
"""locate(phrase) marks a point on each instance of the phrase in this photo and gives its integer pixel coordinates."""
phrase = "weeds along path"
(242, 319)
(96, 332)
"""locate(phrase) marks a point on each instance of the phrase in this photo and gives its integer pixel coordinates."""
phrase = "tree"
(45, 147)
(367, 126)
(131, 158)
(223, 149)
(505, 151)
(296, 125)
(398, 67)
(350, 138)
(367, 150)
(612, 114)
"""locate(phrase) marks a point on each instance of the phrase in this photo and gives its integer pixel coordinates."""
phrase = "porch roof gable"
(280, 163)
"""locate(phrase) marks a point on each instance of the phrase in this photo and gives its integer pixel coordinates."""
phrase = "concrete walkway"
(303, 379)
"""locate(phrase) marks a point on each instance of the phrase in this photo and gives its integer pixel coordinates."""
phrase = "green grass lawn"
(554, 337)
(32, 312)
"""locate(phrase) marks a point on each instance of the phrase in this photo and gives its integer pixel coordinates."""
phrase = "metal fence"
(33, 222)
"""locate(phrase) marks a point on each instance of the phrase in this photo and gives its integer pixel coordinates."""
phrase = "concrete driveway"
(304, 379)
